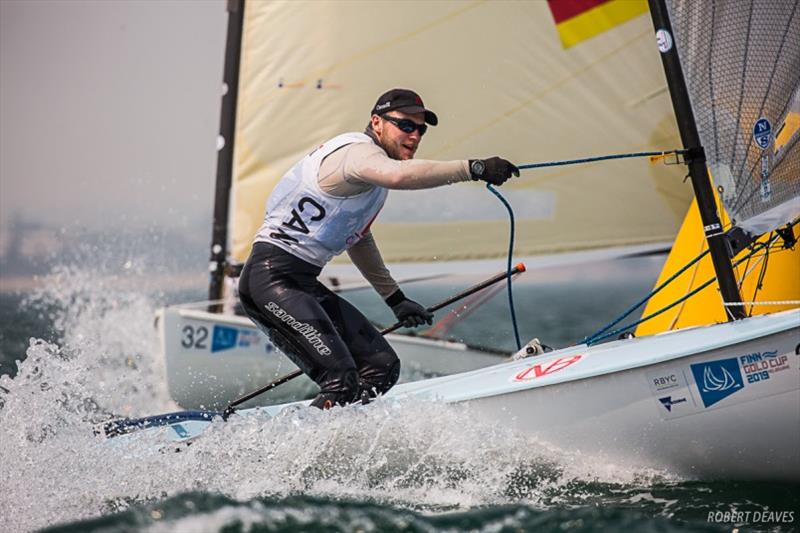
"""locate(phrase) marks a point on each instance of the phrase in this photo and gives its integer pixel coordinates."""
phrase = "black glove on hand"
(494, 170)
(409, 312)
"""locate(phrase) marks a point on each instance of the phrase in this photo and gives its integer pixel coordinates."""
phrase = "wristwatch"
(476, 168)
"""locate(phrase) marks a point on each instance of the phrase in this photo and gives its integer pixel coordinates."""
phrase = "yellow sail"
(780, 282)
(501, 82)
(774, 277)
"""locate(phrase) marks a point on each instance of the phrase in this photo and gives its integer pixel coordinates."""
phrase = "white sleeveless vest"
(311, 224)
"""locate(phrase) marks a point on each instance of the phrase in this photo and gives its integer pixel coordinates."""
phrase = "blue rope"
(596, 335)
(510, 254)
(511, 217)
(595, 339)
(653, 315)
(598, 158)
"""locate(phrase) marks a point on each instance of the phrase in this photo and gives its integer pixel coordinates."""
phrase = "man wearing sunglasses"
(324, 205)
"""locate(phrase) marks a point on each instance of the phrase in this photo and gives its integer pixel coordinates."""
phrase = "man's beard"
(391, 153)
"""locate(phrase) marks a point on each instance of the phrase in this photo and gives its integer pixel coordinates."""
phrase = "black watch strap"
(395, 298)
(476, 168)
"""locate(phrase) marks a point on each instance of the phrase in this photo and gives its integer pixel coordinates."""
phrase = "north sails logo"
(306, 330)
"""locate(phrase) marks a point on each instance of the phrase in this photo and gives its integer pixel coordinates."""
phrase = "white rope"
(777, 302)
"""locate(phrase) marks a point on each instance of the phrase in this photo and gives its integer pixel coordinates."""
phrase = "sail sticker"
(664, 40)
(668, 402)
(761, 366)
(712, 230)
(738, 379)
(223, 338)
(716, 380)
(666, 381)
(670, 390)
(762, 133)
(545, 369)
(765, 189)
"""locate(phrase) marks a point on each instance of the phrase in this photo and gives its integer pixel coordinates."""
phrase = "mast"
(219, 232)
(695, 159)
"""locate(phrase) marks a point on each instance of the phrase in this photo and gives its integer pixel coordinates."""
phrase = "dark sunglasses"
(405, 125)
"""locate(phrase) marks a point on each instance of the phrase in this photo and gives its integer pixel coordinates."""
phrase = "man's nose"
(415, 135)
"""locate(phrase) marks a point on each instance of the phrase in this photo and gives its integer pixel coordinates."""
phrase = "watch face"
(478, 168)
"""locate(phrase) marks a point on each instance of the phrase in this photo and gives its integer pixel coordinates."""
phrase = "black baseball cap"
(403, 100)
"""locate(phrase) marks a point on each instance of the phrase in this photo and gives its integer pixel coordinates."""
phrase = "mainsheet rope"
(599, 158)
(508, 266)
(652, 155)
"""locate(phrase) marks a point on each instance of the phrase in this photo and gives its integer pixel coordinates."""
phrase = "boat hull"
(212, 359)
(656, 417)
(731, 411)
(720, 402)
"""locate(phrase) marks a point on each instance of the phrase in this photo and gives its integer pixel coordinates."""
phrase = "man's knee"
(391, 378)
(337, 387)
(378, 380)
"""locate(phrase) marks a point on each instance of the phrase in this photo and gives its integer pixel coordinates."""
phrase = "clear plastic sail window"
(741, 71)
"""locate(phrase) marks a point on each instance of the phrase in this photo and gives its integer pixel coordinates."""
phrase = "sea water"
(86, 350)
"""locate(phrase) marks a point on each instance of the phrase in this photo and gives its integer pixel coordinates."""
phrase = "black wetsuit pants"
(323, 334)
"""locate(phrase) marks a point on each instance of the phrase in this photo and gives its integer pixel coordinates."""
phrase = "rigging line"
(682, 299)
(652, 293)
(598, 158)
(692, 280)
(769, 302)
(653, 315)
(773, 252)
(756, 248)
(758, 260)
(761, 276)
(779, 247)
(746, 272)
(510, 254)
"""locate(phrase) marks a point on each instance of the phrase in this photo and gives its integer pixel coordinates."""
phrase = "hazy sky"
(109, 110)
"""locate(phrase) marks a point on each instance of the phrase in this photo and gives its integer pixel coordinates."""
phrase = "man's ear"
(377, 125)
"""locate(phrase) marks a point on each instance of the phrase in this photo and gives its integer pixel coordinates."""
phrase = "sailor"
(324, 205)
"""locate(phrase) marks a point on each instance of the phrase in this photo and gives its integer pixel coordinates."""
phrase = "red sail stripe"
(566, 9)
